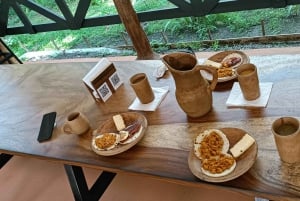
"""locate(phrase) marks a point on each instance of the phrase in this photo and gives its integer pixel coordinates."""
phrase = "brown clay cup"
(248, 81)
(140, 84)
(286, 131)
(76, 123)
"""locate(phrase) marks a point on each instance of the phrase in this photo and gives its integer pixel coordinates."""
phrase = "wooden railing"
(7, 56)
(126, 14)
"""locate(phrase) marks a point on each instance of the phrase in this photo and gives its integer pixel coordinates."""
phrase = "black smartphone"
(47, 126)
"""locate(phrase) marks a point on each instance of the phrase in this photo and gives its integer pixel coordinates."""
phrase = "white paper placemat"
(159, 94)
(236, 98)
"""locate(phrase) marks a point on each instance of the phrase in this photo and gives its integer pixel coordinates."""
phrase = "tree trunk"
(135, 31)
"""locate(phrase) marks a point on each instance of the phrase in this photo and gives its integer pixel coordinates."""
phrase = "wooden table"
(30, 90)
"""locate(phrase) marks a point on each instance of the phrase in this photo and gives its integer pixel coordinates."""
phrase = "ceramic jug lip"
(182, 53)
(180, 61)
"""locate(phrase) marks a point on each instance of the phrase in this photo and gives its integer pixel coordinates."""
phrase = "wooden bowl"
(219, 57)
(243, 162)
(109, 127)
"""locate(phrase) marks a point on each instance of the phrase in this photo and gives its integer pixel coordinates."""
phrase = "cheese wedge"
(119, 122)
(242, 145)
(213, 63)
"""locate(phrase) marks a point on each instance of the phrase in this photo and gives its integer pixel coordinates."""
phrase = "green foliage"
(215, 45)
(145, 5)
(293, 10)
(239, 22)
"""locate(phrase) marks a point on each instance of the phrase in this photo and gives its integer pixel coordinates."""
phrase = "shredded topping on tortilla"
(211, 145)
(218, 164)
(225, 72)
(105, 141)
(213, 157)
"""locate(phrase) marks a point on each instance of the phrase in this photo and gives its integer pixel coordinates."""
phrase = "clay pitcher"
(193, 92)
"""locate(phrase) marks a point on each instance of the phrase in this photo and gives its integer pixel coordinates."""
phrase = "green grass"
(111, 35)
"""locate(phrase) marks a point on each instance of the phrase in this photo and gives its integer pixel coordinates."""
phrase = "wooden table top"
(30, 90)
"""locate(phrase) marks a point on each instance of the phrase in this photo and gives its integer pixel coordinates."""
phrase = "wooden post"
(135, 30)
(262, 22)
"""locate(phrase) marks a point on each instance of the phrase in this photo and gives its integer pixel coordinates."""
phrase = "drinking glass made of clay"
(140, 84)
(286, 131)
(248, 81)
(76, 123)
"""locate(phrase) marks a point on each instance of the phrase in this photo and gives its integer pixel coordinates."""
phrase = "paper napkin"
(159, 94)
(236, 98)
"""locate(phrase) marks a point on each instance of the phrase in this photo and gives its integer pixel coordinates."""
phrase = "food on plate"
(130, 131)
(212, 63)
(231, 60)
(221, 70)
(133, 128)
(210, 143)
(211, 148)
(225, 72)
(123, 135)
(242, 145)
(218, 166)
(227, 65)
(114, 138)
(134, 131)
(106, 141)
(119, 122)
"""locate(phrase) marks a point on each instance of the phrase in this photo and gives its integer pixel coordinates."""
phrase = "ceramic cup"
(286, 131)
(248, 80)
(76, 123)
(140, 84)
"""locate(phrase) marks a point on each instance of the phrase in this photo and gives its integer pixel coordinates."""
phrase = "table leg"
(80, 188)
(4, 158)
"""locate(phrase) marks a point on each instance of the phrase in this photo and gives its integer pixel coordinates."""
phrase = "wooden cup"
(140, 84)
(76, 123)
(248, 80)
(286, 131)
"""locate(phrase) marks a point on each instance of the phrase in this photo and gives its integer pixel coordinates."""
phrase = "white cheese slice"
(212, 63)
(119, 122)
(242, 145)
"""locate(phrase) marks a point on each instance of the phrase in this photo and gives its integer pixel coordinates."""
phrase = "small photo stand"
(102, 80)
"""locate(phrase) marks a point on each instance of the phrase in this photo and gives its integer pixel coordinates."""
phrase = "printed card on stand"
(102, 80)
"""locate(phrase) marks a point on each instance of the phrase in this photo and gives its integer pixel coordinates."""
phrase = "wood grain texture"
(30, 90)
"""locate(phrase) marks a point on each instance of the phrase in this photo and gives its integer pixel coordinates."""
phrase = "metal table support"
(4, 158)
(79, 185)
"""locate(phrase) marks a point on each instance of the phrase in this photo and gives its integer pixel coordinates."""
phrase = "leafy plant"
(293, 10)
(215, 45)
(238, 22)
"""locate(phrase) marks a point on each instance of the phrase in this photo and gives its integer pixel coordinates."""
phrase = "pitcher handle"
(212, 70)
